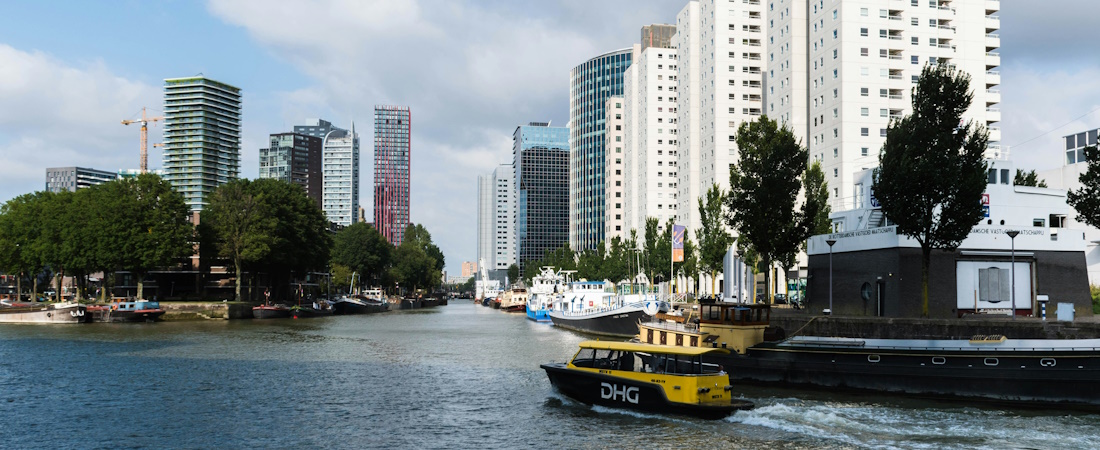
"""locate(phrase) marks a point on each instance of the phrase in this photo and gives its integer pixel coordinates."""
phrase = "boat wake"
(871, 425)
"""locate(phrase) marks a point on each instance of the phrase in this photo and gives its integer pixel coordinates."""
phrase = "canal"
(457, 376)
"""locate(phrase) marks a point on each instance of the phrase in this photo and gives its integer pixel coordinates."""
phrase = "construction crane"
(144, 136)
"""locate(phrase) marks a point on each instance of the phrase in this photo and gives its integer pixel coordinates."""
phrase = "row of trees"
(415, 264)
(264, 228)
(135, 224)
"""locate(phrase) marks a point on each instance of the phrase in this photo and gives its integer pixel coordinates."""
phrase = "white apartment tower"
(504, 218)
(650, 161)
(613, 224)
(720, 47)
(839, 71)
(340, 176)
(496, 236)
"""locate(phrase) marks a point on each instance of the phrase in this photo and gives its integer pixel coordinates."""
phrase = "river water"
(457, 376)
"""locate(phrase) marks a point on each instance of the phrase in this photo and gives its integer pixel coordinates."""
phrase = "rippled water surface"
(457, 376)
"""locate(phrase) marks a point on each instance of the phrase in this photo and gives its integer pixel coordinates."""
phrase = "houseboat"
(64, 312)
(650, 378)
(546, 287)
(595, 307)
(1061, 372)
(514, 300)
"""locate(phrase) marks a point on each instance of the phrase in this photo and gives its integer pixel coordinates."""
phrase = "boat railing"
(673, 326)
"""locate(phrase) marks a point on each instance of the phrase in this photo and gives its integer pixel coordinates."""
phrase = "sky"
(470, 71)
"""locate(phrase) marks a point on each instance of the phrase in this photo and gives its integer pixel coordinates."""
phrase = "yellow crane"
(144, 136)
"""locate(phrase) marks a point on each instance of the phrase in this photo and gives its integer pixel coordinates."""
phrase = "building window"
(914, 59)
(863, 32)
(863, 92)
(864, 111)
(863, 151)
(864, 131)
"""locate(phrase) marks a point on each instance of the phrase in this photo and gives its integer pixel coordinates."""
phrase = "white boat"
(594, 307)
(546, 288)
(64, 312)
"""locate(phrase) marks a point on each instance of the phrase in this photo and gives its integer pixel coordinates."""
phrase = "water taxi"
(652, 378)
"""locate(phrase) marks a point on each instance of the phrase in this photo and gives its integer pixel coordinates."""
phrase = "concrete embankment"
(804, 324)
(206, 310)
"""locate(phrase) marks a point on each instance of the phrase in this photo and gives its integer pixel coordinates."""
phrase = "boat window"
(991, 361)
(585, 358)
(938, 360)
(874, 358)
(603, 359)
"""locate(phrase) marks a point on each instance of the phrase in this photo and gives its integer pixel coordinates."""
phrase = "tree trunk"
(19, 287)
(60, 282)
(926, 257)
(237, 268)
(140, 285)
(767, 281)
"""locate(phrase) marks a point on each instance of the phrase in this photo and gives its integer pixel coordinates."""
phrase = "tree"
(363, 249)
(764, 186)
(19, 229)
(816, 207)
(1028, 179)
(513, 273)
(714, 238)
(932, 170)
(1086, 200)
(160, 231)
(242, 225)
(301, 242)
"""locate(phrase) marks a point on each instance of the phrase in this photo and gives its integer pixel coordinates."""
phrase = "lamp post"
(830, 242)
(1012, 296)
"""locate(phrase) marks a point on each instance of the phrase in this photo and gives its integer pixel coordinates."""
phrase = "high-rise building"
(720, 48)
(485, 224)
(72, 178)
(838, 73)
(496, 221)
(540, 160)
(392, 153)
(504, 218)
(590, 84)
(294, 158)
(469, 268)
(202, 136)
(340, 176)
(649, 150)
(614, 195)
(317, 128)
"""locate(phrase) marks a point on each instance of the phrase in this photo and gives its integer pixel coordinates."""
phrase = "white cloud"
(470, 71)
(55, 114)
(1038, 100)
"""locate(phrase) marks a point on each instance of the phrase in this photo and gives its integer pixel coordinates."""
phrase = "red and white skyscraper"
(392, 133)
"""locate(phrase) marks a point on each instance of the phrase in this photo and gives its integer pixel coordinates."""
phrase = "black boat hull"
(610, 323)
(1019, 377)
(347, 308)
(270, 313)
(598, 389)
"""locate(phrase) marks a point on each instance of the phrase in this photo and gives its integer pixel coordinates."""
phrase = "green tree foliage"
(301, 242)
(690, 267)
(714, 239)
(764, 186)
(816, 207)
(932, 171)
(1086, 199)
(513, 273)
(363, 249)
(341, 277)
(561, 258)
(1028, 179)
(20, 222)
(417, 262)
(160, 231)
(270, 226)
(242, 224)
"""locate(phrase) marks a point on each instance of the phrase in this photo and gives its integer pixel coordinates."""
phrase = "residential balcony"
(992, 22)
(992, 6)
(992, 96)
(992, 77)
(993, 114)
(992, 41)
(992, 59)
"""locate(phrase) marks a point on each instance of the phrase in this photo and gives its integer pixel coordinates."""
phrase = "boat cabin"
(732, 326)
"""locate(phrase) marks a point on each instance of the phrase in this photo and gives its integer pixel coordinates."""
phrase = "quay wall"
(206, 310)
(805, 324)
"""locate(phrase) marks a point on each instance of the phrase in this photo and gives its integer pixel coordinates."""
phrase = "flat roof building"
(72, 178)
(202, 136)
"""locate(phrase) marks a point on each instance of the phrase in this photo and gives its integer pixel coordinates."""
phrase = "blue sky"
(470, 70)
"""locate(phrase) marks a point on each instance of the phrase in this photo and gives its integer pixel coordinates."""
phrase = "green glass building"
(202, 136)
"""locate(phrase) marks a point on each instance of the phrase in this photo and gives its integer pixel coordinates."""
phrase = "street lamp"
(830, 242)
(1012, 237)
